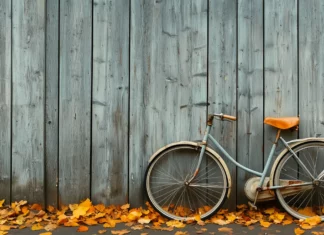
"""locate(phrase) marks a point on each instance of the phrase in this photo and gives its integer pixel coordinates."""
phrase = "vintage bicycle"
(186, 178)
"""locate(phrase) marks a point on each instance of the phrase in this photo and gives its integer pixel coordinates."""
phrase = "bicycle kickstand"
(253, 206)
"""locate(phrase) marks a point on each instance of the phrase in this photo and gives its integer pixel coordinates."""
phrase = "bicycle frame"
(208, 136)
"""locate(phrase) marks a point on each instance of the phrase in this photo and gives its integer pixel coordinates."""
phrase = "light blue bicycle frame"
(261, 174)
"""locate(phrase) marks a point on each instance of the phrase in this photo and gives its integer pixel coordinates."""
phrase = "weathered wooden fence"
(89, 89)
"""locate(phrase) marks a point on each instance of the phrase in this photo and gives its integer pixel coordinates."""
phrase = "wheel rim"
(169, 193)
(307, 200)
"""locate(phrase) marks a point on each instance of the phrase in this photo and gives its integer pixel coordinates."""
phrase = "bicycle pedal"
(252, 206)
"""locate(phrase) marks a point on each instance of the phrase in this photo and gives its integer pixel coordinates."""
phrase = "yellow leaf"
(242, 206)
(269, 211)
(317, 233)
(87, 203)
(181, 233)
(134, 215)
(110, 224)
(215, 220)
(37, 227)
(80, 211)
(73, 207)
(50, 209)
(46, 233)
(225, 229)
(82, 229)
(99, 215)
(175, 223)
(298, 231)
(307, 211)
(71, 223)
(3, 233)
(231, 217)
(1, 202)
(4, 228)
(102, 231)
(124, 207)
(264, 223)
(315, 220)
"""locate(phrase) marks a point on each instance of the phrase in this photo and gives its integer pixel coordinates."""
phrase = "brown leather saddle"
(282, 123)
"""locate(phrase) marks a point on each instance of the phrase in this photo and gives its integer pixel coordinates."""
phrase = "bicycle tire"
(308, 200)
(176, 200)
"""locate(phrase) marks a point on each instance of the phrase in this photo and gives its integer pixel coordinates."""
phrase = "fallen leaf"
(317, 233)
(181, 233)
(124, 207)
(82, 229)
(264, 223)
(175, 223)
(144, 220)
(46, 233)
(36, 207)
(36, 227)
(1, 202)
(3, 233)
(306, 226)
(50, 227)
(4, 228)
(120, 232)
(298, 231)
(225, 229)
(315, 220)
(137, 227)
(102, 231)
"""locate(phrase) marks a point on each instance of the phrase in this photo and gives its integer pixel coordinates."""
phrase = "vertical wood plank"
(51, 94)
(75, 100)
(168, 80)
(110, 102)
(311, 69)
(222, 77)
(5, 99)
(280, 65)
(250, 90)
(28, 73)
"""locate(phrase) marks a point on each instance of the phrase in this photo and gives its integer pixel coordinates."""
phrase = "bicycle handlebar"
(224, 116)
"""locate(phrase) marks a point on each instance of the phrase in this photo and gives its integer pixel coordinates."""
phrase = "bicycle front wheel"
(306, 198)
(170, 194)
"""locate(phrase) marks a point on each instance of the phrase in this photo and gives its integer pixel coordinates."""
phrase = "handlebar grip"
(229, 117)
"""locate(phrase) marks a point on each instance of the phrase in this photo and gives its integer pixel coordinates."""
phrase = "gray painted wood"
(51, 109)
(250, 90)
(5, 101)
(168, 80)
(110, 102)
(28, 74)
(311, 70)
(280, 66)
(222, 77)
(75, 100)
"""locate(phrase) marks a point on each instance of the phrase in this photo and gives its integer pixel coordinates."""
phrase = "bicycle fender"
(292, 144)
(196, 144)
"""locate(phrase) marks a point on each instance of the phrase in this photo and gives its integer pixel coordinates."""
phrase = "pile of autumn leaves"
(20, 215)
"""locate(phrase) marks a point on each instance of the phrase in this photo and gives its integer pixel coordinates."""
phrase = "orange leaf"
(137, 227)
(36, 227)
(46, 233)
(3, 233)
(269, 211)
(307, 211)
(71, 224)
(231, 217)
(306, 226)
(242, 206)
(124, 207)
(90, 222)
(181, 233)
(264, 223)
(82, 229)
(286, 222)
(50, 227)
(36, 207)
(315, 220)
(225, 229)
(4, 228)
(120, 232)
(100, 207)
(144, 220)
(298, 231)
(102, 231)
(175, 223)
(50, 209)
(1, 202)
(110, 224)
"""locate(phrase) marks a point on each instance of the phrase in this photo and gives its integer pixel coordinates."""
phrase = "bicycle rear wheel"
(166, 188)
(307, 200)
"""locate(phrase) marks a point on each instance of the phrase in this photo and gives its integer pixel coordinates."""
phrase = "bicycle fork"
(202, 151)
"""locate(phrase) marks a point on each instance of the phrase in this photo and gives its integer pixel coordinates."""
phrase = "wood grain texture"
(222, 77)
(75, 100)
(311, 69)
(250, 90)
(28, 74)
(280, 65)
(5, 99)
(168, 80)
(51, 94)
(110, 102)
